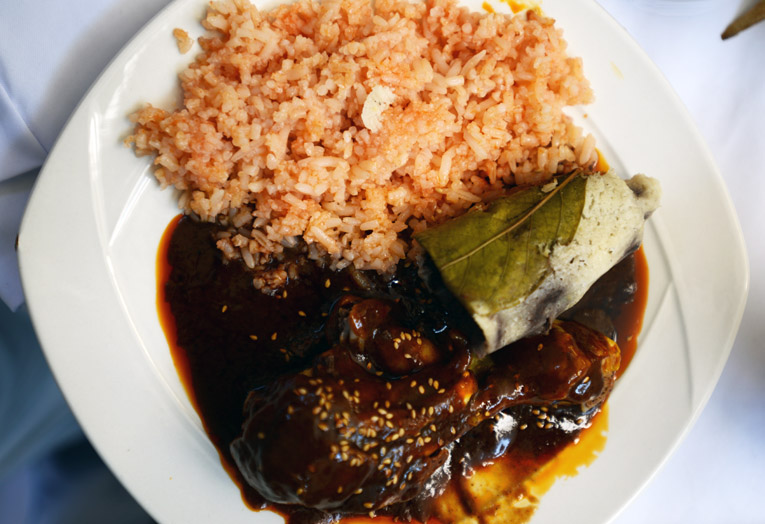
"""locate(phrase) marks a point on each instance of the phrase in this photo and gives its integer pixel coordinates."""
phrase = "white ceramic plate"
(89, 238)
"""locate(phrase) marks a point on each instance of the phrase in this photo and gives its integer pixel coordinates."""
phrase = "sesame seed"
(542, 416)
(388, 386)
(368, 504)
(261, 435)
(421, 389)
(548, 425)
(359, 491)
(454, 431)
(223, 309)
(544, 409)
(407, 355)
(441, 391)
(539, 347)
(327, 283)
(323, 426)
(431, 410)
(253, 337)
(339, 489)
(586, 380)
(524, 426)
(413, 383)
(300, 491)
(301, 313)
(273, 336)
(535, 412)
(435, 384)
(451, 408)
(540, 424)
(433, 428)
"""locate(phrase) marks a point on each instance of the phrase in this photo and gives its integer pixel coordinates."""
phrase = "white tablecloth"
(49, 55)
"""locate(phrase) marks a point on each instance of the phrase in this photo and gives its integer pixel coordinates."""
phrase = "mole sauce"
(228, 339)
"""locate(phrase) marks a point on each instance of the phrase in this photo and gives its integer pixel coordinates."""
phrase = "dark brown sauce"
(227, 339)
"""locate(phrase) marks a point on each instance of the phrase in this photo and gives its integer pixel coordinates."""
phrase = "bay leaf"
(493, 257)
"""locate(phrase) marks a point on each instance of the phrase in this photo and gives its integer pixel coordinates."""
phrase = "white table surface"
(717, 474)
